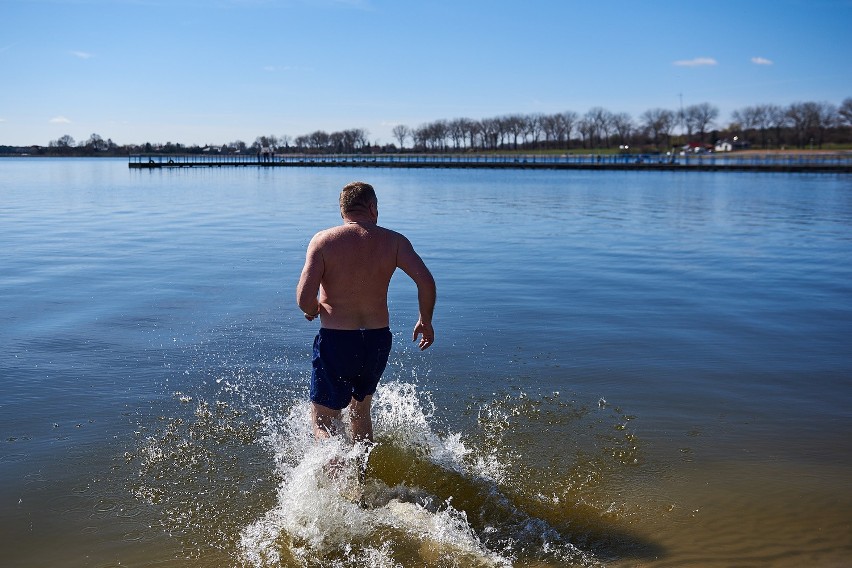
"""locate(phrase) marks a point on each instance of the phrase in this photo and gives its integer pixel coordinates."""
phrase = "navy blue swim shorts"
(348, 363)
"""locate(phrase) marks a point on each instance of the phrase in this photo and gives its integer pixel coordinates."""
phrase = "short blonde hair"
(357, 196)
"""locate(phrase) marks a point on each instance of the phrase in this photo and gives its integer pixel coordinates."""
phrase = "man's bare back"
(347, 272)
(345, 282)
(358, 260)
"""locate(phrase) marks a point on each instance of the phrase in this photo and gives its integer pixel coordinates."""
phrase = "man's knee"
(324, 418)
(359, 409)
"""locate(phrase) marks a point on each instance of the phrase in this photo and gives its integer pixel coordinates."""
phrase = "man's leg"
(362, 423)
(324, 419)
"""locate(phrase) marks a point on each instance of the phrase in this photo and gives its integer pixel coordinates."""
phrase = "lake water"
(631, 369)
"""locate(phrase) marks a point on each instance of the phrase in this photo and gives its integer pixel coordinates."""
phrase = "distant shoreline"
(574, 152)
(753, 161)
(779, 161)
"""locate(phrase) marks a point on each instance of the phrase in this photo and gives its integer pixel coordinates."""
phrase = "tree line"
(798, 125)
(764, 126)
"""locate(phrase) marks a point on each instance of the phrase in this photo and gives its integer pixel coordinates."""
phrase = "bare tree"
(803, 118)
(355, 139)
(490, 132)
(515, 125)
(699, 117)
(827, 117)
(470, 129)
(96, 143)
(456, 130)
(566, 124)
(66, 141)
(301, 142)
(63, 144)
(623, 125)
(436, 133)
(845, 111)
(586, 129)
(467, 130)
(746, 118)
(600, 121)
(270, 141)
(762, 121)
(549, 128)
(401, 132)
(474, 129)
(658, 122)
(534, 127)
(319, 139)
(432, 135)
(238, 146)
(419, 137)
(776, 118)
(337, 142)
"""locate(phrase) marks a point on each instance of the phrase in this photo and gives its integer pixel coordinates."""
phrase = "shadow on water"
(505, 519)
(539, 472)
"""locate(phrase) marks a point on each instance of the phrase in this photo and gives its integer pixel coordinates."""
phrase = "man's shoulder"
(326, 234)
(393, 238)
(390, 232)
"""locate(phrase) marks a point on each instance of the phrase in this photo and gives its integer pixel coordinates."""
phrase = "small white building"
(723, 146)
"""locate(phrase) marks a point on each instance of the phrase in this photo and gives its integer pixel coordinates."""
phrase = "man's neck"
(356, 219)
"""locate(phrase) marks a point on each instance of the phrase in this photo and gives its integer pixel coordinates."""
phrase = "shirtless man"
(345, 283)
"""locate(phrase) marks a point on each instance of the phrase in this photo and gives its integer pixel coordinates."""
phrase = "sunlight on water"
(632, 369)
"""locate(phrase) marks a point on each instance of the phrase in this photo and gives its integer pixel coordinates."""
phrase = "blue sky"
(215, 71)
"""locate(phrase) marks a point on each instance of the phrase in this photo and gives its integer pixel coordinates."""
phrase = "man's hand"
(310, 317)
(428, 334)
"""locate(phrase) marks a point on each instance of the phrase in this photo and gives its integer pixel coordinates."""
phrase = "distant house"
(730, 145)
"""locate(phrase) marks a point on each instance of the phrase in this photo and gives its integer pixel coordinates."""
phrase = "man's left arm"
(411, 263)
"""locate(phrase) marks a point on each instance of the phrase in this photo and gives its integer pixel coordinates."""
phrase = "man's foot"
(334, 468)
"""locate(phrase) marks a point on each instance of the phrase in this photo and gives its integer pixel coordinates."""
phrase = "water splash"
(414, 508)
(238, 472)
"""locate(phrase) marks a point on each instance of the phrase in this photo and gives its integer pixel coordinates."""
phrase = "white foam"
(317, 516)
(312, 510)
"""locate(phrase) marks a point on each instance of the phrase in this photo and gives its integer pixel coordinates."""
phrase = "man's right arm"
(309, 282)
(411, 263)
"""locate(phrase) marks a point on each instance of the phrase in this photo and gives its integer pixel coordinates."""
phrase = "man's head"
(357, 197)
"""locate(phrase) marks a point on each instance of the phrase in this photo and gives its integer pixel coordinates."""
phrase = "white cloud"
(60, 120)
(761, 61)
(82, 54)
(697, 62)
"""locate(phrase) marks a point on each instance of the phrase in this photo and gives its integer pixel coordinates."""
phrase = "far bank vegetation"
(800, 126)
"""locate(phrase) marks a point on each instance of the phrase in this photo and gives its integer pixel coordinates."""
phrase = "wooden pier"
(835, 163)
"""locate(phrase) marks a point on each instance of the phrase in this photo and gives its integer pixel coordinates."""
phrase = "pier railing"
(838, 162)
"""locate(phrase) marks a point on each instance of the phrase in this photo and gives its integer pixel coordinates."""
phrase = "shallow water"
(632, 369)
